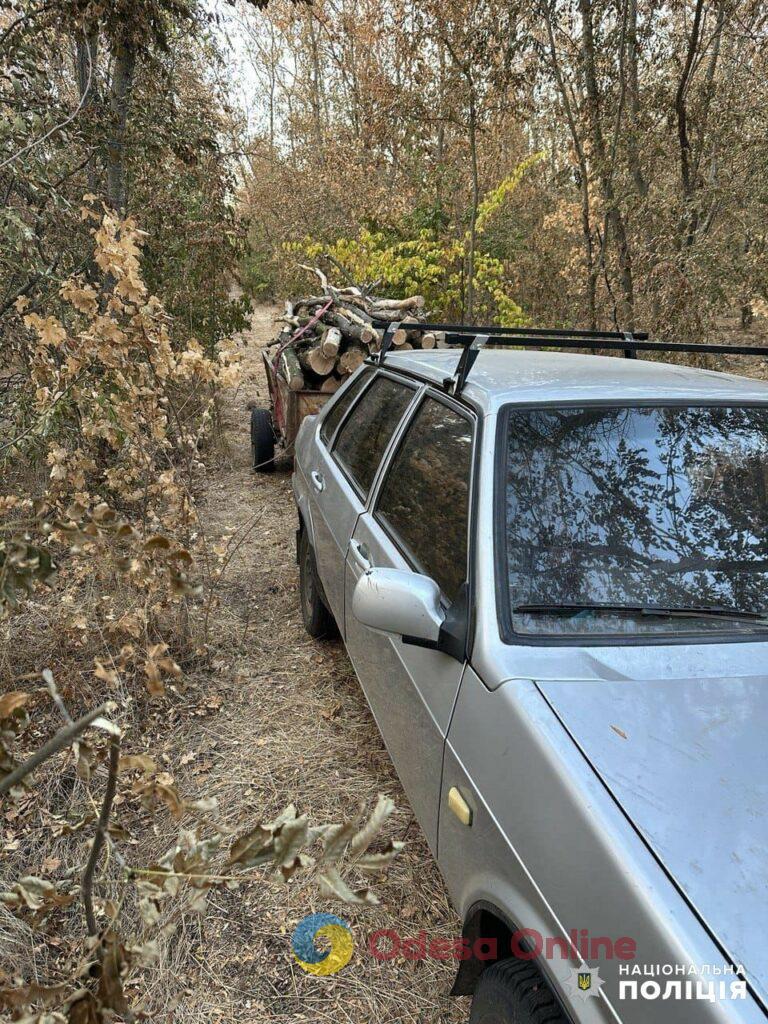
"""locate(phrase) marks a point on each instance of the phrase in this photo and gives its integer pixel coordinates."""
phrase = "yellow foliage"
(495, 198)
(423, 265)
(432, 266)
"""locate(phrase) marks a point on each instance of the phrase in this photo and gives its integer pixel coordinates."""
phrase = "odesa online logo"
(337, 933)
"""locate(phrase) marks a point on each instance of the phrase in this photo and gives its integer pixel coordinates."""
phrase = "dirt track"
(288, 722)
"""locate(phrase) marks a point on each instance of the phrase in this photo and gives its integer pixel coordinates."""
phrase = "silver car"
(550, 572)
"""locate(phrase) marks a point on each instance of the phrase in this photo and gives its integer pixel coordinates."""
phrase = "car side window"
(424, 501)
(338, 410)
(365, 433)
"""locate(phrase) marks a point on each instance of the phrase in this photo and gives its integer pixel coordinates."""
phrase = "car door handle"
(361, 555)
(318, 480)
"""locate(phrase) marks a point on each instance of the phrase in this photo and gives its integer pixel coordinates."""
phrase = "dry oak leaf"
(384, 807)
(334, 886)
(107, 674)
(36, 894)
(10, 702)
(142, 762)
(84, 1010)
(114, 964)
(21, 997)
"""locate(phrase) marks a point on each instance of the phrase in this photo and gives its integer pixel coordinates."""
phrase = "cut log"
(410, 323)
(313, 360)
(386, 314)
(330, 384)
(399, 337)
(356, 314)
(405, 347)
(412, 302)
(331, 342)
(361, 332)
(291, 370)
(357, 301)
(428, 340)
(351, 358)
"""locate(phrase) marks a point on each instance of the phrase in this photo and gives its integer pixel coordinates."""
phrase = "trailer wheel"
(262, 441)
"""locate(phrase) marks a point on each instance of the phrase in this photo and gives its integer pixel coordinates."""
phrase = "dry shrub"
(106, 578)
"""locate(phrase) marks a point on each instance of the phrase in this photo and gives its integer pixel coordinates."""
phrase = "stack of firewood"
(326, 337)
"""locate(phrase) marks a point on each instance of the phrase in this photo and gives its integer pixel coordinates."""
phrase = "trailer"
(278, 425)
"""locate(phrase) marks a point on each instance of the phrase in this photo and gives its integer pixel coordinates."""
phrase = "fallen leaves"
(158, 665)
(12, 702)
(36, 894)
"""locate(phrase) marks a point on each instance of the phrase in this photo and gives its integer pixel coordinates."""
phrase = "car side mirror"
(404, 603)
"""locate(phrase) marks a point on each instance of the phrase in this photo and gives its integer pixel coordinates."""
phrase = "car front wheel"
(513, 992)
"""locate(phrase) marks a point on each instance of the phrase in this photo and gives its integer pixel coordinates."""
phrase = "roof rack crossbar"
(473, 338)
(523, 332)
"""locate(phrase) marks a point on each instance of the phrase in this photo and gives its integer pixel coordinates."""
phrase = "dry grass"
(286, 720)
(271, 717)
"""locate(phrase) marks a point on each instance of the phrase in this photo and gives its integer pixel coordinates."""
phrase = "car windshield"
(636, 520)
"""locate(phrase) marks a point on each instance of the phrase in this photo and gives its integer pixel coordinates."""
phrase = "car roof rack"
(472, 338)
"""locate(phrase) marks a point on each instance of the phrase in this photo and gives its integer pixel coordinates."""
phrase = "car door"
(350, 445)
(419, 521)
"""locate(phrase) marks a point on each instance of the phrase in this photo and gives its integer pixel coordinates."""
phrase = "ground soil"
(284, 719)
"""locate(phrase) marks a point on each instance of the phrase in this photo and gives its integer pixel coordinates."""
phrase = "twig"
(341, 269)
(62, 739)
(56, 127)
(86, 885)
(50, 684)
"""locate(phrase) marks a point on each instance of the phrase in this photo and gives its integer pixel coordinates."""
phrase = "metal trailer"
(279, 424)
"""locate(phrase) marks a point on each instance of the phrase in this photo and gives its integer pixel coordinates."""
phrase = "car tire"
(262, 441)
(513, 992)
(318, 621)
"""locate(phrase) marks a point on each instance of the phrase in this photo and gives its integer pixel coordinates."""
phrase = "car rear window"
(645, 520)
(366, 432)
(339, 408)
(424, 502)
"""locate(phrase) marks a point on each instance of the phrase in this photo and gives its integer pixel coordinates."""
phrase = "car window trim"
(359, 492)
(504, 619)
(328, 445)
(466, 414)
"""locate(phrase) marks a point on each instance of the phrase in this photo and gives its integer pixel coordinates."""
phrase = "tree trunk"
(633, 88)
(470, 304)
(613, 216)
(586, 212)
(119, 101)
(687, 174)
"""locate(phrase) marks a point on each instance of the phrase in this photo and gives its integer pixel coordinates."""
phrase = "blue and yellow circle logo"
(329, 927)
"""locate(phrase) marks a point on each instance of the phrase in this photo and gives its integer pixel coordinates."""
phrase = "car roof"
(500, 377)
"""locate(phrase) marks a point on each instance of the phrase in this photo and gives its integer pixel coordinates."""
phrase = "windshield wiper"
(735, 614)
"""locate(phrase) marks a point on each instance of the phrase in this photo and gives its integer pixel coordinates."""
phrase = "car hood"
(686, 760)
